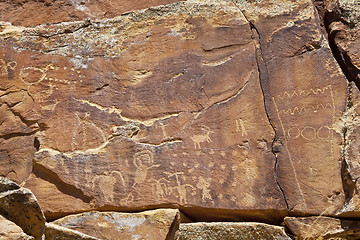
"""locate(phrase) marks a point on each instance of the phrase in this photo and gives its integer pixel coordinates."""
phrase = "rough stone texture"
(323, 228)
(55, 232)
(20, 206)
(230, 231)
(228, 110)
(21, 12)
(151, 113)
(156, 224)
(305, 95)
(10, 231)
(341, 21)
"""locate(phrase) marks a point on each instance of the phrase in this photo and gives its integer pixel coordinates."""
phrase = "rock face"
(156, 224)
(323, 228)
(20, 206)
(225, 109)
(20, 12)
(230, 231)
(150, 112)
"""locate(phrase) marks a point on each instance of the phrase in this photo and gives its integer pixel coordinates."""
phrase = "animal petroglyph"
(240, 127)
(201, 138)
(143, 161)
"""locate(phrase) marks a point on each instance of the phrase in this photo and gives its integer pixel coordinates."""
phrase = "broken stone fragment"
(55, 232)
(230, 231)
(155, 224)
(323, 228)
(20, 206)
(11, 231)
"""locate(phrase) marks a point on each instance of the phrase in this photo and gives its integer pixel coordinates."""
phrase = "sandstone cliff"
(230, 110)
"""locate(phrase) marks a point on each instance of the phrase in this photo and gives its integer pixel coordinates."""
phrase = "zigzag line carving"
(315, 108)
(302, 92)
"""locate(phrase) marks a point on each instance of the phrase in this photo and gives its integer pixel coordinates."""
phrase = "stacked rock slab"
(55, 232)
(230, 231)
(156, 224)
(19, 206)
(323, 228)
(10, 231)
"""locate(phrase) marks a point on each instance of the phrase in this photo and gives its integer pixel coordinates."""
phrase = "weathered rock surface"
(304, 101)
(230, 231)
(55, 232)
(10, 231)
(20, 206)
(227, 109)
(342, 22)
(21, 12)
(151, 110)
(154, 224)
(323, 228)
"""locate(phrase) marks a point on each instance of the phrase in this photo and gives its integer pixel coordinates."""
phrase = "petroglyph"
(143, 161)
(32, 75)
(181, 188)
(303, 93)
(309, 133)
(5, 67)
(81, 130)
(299, 110)
(201, 138)
(106, 182)
(294, 111)
(160, 188)
(204, 186)
(240, 127)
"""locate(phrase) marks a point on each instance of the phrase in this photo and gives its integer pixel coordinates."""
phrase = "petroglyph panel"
(164, 107)
(306, 118)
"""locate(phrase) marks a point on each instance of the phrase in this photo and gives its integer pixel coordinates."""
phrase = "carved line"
(295, 132)
(290, 158)
(303, 92)
(307, 109)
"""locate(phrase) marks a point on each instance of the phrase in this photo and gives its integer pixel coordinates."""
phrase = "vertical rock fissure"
(262, 71)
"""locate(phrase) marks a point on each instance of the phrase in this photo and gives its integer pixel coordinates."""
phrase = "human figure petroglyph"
(240, 127)
(181, 188)
(80, 129)
(200, 138)
(160, 188)
(204, 186)
(143, 161)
